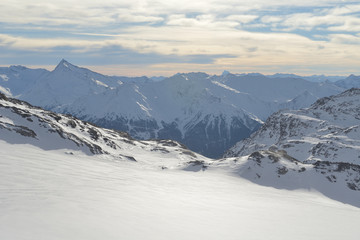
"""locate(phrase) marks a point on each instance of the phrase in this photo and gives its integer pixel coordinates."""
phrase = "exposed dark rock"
(163, 150)
(282, 170)
(71, 123)
(353, 186)
(130, 158)
(189, 153)
(256, 156)
(94, 134)
(24, 131)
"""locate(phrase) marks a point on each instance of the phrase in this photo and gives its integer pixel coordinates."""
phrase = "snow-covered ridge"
(21, 123)
(324, 138)
(327, 131)
(276, 168)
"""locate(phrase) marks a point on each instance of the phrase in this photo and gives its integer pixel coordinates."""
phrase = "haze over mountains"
(207, 113)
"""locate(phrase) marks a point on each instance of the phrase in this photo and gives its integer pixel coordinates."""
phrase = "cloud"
(215, 33)
(350, 24)
(346, 9)
(345, 18)
(242, 18)
(271, 19)
(344, 39)
(46, 44)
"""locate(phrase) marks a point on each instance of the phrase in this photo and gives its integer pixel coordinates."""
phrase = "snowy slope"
(21, 123)
(294, 146)
(51, 195)
(276, 168)
(327, 131)
(14, 80)
(61, 178)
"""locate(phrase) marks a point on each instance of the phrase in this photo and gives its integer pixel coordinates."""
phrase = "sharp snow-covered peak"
(225, 72)
(65, 65)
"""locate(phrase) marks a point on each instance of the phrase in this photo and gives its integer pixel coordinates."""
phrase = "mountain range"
(316, 147)
(207, 113)
(62, 177)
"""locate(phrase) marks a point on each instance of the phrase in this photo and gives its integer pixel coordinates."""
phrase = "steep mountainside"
(327, 131)
(15, 80)
(324, 138)
(179, 108)
(207, 113)
(21, 123)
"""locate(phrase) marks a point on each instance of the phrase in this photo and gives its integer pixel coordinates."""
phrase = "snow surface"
(58, 195)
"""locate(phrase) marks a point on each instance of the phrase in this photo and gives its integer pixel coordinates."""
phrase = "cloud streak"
(258, 34)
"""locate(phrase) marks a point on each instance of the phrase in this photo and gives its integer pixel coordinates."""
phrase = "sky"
(163, 37)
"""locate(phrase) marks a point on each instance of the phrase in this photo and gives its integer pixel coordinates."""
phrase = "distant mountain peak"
(225, 72)
(63, 64)
(18, 67)
(353, 77)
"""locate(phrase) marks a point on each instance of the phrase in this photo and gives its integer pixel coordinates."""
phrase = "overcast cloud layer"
(164, 37)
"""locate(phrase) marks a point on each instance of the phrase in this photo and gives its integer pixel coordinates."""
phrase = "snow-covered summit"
(65, 65)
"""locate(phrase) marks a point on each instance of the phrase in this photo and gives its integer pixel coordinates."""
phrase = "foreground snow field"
(61, 195)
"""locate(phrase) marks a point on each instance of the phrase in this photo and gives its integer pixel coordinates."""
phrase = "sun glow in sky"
(162, 37)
